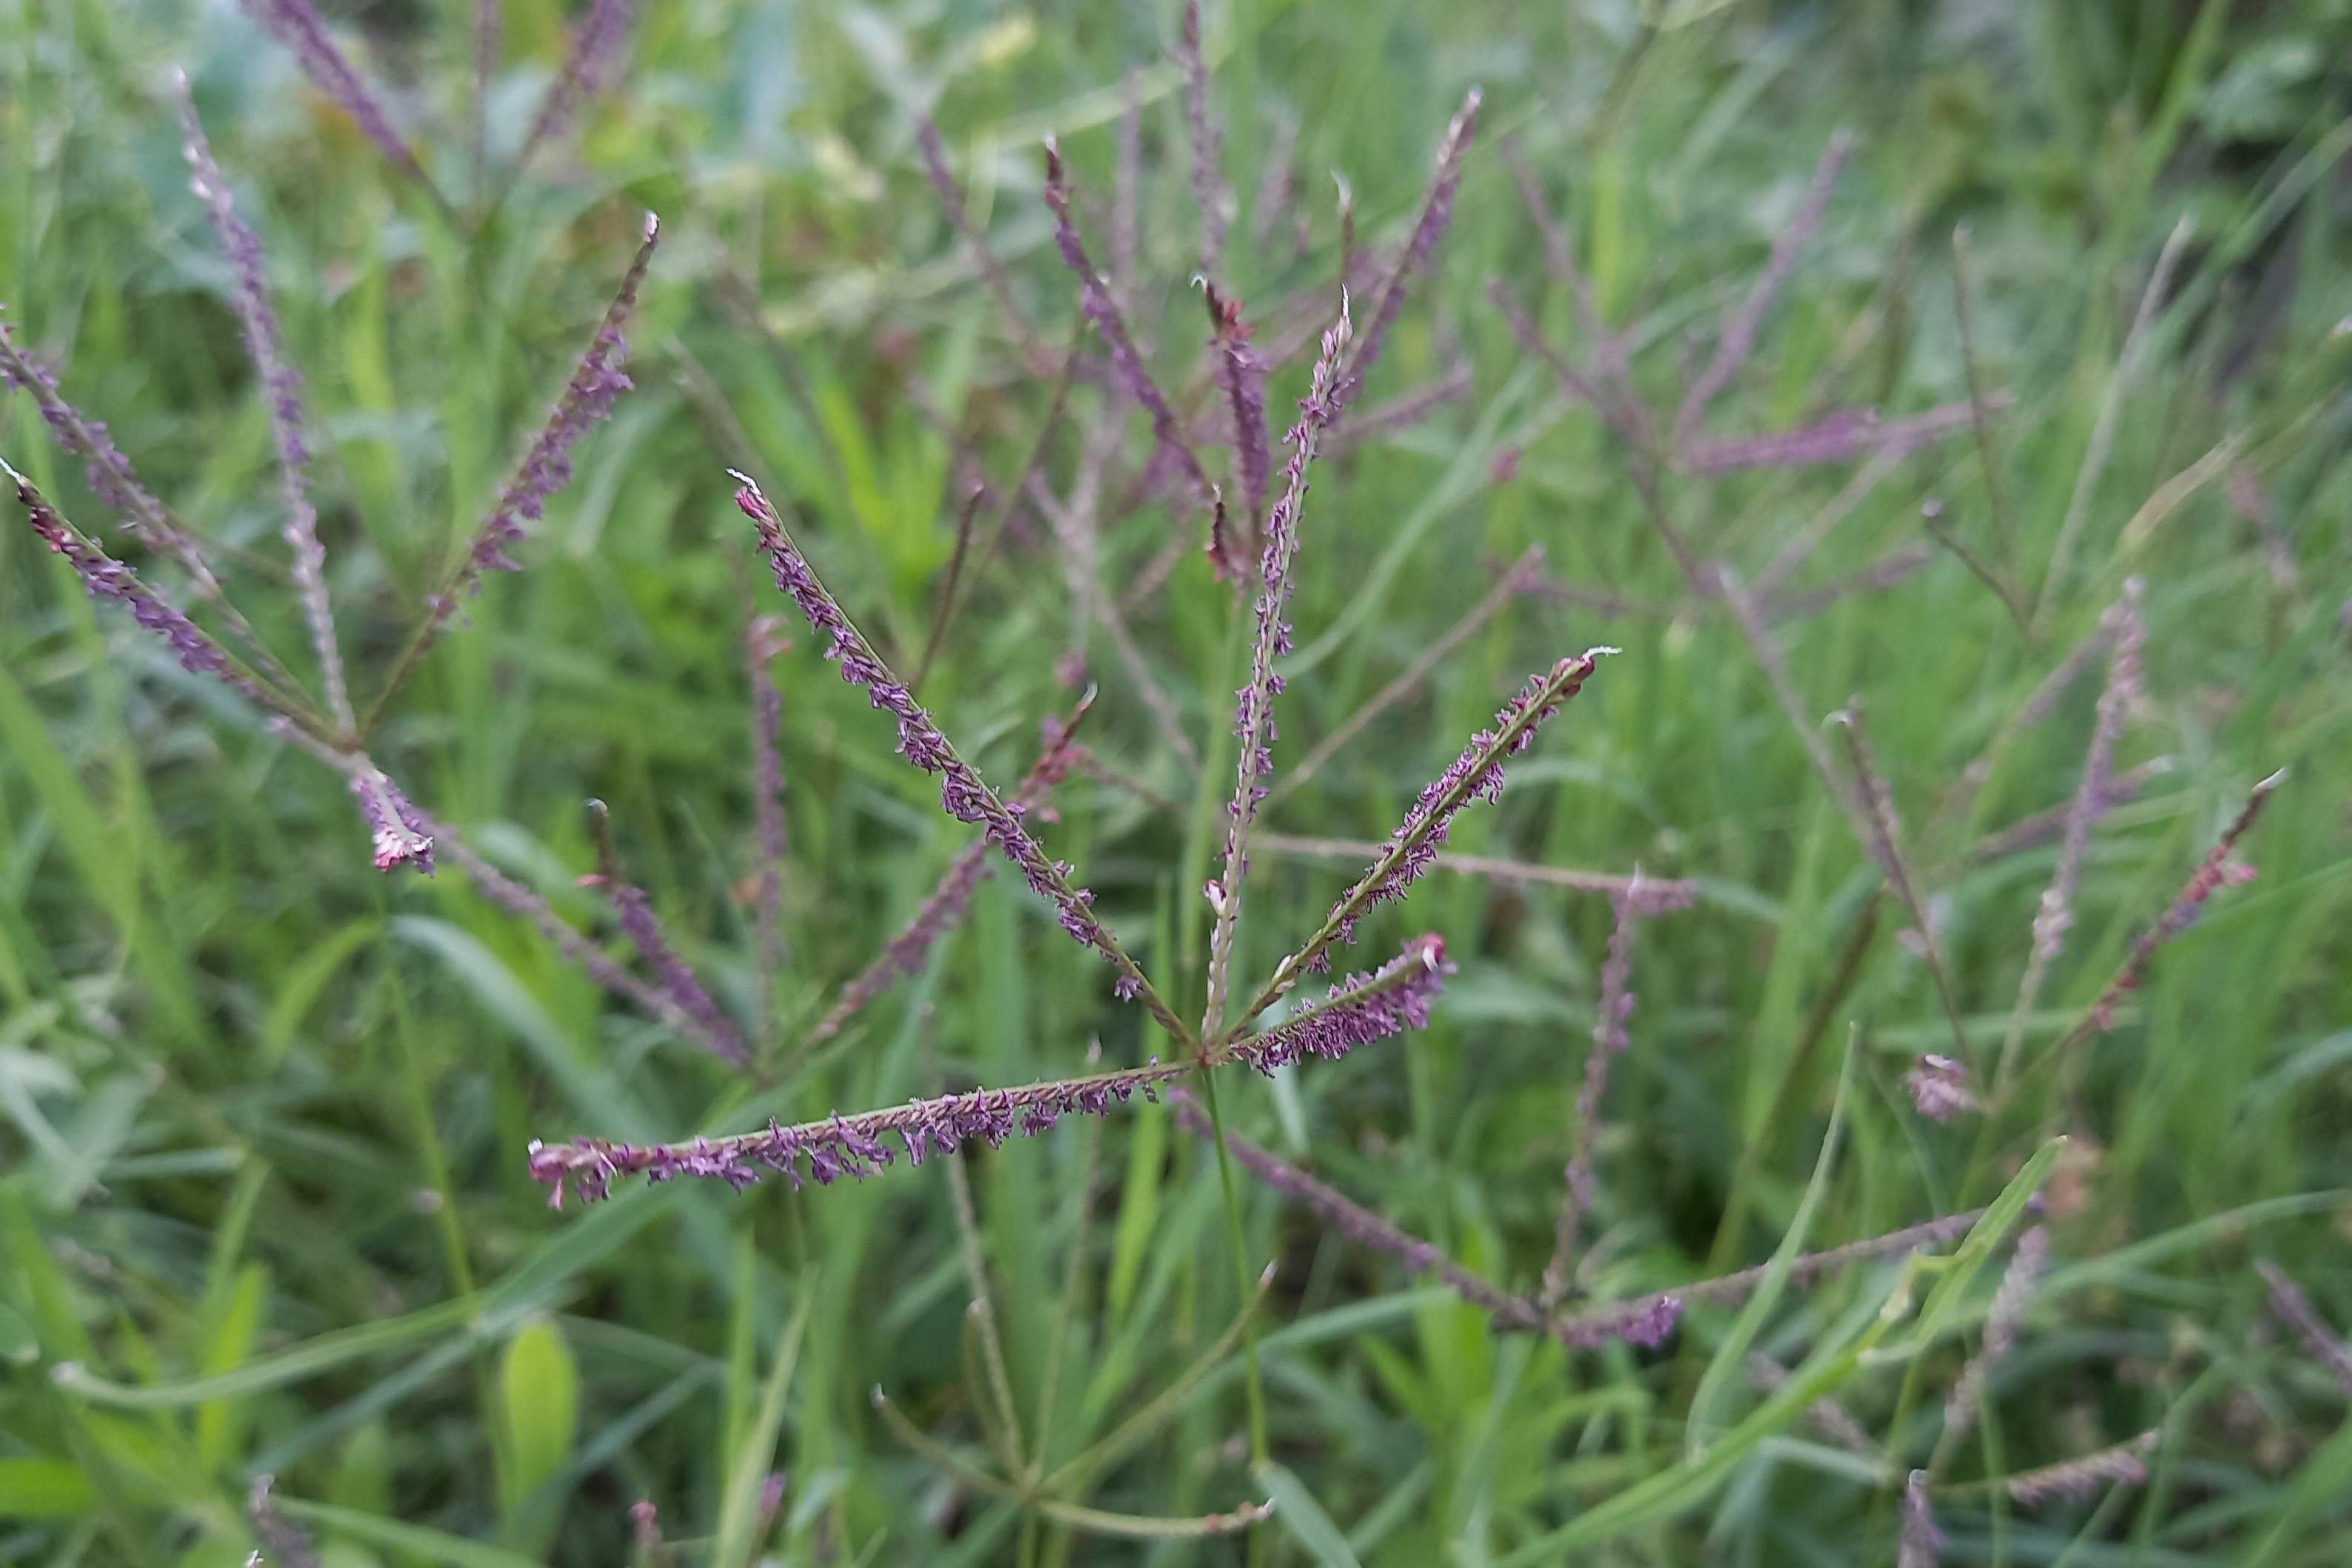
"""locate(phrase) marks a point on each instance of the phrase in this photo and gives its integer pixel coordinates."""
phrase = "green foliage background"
(264, 1207)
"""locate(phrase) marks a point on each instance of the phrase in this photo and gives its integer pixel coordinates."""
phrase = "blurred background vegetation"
(265, 1207)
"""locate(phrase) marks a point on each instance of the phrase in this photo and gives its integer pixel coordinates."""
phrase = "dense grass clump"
(1806, 545)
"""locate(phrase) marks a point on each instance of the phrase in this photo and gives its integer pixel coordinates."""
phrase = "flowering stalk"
(1364, 1008)
(282, 384)
(595, 54)
(2217, 871)
(2055, 917)
(1412, 849)
(2077, 1481)
(952, 201)
(1242, 375)
(1209, 190)
(2293, 1307)
(1738, 339)
(296, 25)
(2001, 1324)
(644, 929)
(1653, 895)
(1610, 1040)
(1094, 300)
(1254, 722)
(397, 831)
(1838, 436)
(285, 1542)
(762, 642)
(1428, 229)
(104, 578)
(1359, 1224)
(903, 955)
(1938, 1087)
(586, 401)
(963, 793)
(826, 1151)
(1359, 1011)
(117, 484)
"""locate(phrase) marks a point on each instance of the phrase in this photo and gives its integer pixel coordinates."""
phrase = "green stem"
(1253, 1383)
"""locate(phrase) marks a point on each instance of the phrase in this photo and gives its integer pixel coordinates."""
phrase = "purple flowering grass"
(590, 64)
(1428, 229)
(1241, 373)
(1611, 1039)
(281, 385)
(1210, 192)
(2321, 1343)
(963, 794)
(634, 909)
(1253, 723)
(1100, 308)
(1922, 1544)
(296, 25)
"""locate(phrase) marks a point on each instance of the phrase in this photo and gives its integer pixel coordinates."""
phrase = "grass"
(265, 1207)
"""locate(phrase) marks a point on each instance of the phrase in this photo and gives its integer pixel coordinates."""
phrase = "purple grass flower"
(526, 903)
(1403, 412)
(902, 957)
(1838, 436)
(588, 68)
(1242, 375)
(104, 578)
(587, 401)
(963, 794)
(282, 385)
(1209, 189)
(1922, 1544)
(1476, 775)
(644, 929)
(1428, 229)
(2220, 868)
(2002, 1322)
(2320, 1341)
(1255, 722)
(1610, 1039)
(2079, 1480)
(1738, 339)
(284, 1541)
(1094, 300)
(763, 642)
(826, 1151)
(1360, 1224)
(959, 214)
(1940, 1088)
(1359, 1011)
(297, 26)
(2057, 914)
(396, 829)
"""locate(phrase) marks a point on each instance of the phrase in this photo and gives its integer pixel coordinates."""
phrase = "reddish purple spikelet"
(1095, 300)
(1940, 1088)
(1242, 375)
(1359, 1011)
(963, 794)
(297, 26)
(1476, 775)
(2079, 1480)
(2320, 1341)
(399, 833)
(1838, 436)
(678, 982)
(104, 578)
(1610, 1039)
(282, 384)
(588, 68)
(762, 642)
(1428, 229)
(2003, 1322)
(903, 956)
(586, 401)
(839, 1147)
(2057, 914)
(1209, 190)
(1737, 340)
(2221, 868)
(1255, 721)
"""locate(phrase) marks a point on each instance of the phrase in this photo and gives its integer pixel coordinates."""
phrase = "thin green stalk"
(1253, 1384)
